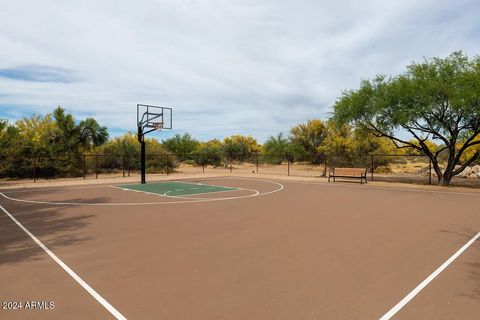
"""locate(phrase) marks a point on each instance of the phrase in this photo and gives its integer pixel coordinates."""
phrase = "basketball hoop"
(158, 126)
(149, 119)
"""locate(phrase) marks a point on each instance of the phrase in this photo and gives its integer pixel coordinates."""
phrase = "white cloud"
(224, 66)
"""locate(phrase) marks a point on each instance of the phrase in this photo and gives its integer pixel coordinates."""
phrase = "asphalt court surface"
(260, 250)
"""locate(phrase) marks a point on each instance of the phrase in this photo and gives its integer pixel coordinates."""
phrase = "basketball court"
(239, 248)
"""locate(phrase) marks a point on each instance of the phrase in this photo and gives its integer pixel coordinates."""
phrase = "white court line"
(425, 282)
(67, 269)
(59, 188)
(105, 204)
(339, 185)
(255, 193)
(366, 186)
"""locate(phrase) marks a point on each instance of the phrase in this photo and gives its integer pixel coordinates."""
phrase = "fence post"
(84, 166)
(230, 167)
(429, 171)
(166, 163)
(371, 179)
(325, 166)
(288, 167)
(256, 161)
(123, 162)
(203, 167)
(96, 166)
(128, 165)
(34, 169)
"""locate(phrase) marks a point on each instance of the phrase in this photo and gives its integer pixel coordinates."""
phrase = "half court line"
(67, 269)
(429, 279)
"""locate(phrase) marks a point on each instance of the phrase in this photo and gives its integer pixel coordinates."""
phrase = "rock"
(461, 175)
(476, 169)
(467, 170)
(472, 175)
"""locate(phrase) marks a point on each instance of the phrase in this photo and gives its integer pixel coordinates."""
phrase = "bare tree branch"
(467, 163)
(468, 144)
(380, 133)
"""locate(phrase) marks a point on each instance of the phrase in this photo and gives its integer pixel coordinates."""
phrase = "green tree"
(310, 136)
(91, 134)
(366, 143)
(349, 146)
(181, 145)
(278, 148)
(120, 151)
(66, 133)
(53, 142)
(338, 140)
(241, 148)
(438, 99)
(12, 150)
(124, 152)
(209, 153)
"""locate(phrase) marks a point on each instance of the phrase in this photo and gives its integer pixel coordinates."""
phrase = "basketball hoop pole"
(141, 139)
(150, 118)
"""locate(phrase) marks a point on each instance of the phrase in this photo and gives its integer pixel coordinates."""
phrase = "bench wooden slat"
(356, 173)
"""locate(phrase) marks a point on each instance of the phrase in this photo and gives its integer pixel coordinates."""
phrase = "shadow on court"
(473, 266)
(49, 224)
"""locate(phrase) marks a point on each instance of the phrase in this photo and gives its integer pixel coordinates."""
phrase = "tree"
(346, 145)
(364, 142)
(91, 134)
(51, 142)
(209, 153)
(469, 152)
(181, 145)
(124, 151)
(12, 147)
(66, 133)
(338, 140)
(438, 99)
(278, 148)
(36, 134)
(120, 151)
(310, 136)
(238, 147)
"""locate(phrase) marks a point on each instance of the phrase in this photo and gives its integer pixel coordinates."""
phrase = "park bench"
(351, 173)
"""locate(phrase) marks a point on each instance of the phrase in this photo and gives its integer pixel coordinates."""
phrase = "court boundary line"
(22, 190)
(67, 269)
(43, 189)
(196, 200)
(393, 188)
(429, 279)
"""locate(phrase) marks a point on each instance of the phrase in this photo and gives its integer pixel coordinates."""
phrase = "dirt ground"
(410, 172)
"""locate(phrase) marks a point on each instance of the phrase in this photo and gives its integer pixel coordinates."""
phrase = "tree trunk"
(445, 181)
(437, 169)
(448, 173)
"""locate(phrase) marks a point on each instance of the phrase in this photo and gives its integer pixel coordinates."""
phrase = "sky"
(225, 67)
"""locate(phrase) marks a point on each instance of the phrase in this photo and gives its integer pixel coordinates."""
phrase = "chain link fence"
(389, 168)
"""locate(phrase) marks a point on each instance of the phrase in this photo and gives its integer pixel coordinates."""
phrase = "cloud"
(225, 67)
(36, 73)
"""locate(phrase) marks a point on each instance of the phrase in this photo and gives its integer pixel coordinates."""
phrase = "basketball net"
(158, 126)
